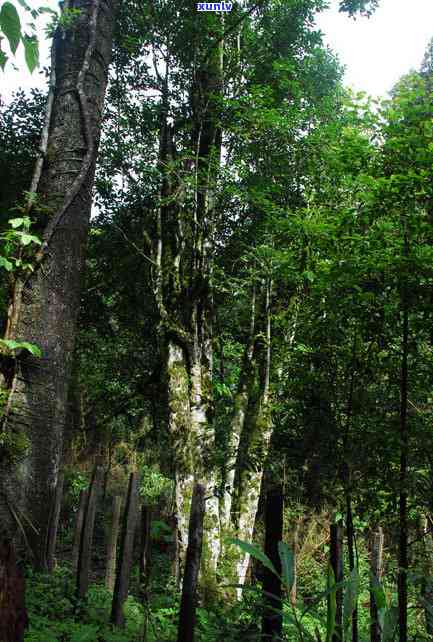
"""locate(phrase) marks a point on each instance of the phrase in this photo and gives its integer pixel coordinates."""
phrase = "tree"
(45, 302)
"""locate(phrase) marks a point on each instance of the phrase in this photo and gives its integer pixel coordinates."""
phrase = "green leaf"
(11, 344)
(255, 552)
(4, 263)
(26, 239)
(16, 222)
(10, 25)
(3, 59)
(287, 564)
(31, 52)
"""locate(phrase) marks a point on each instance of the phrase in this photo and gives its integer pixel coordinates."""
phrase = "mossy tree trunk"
(46, 303)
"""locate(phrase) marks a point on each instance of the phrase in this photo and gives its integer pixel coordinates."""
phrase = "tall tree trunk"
(351, 549)
(13, 613)
(79, 519)
(376, 567)
(126, 552)
(86, 539)
(46, 302)
(337, 567)
(188, 602)
(404, 445)
(272, 625)
(54, 522)
(256, 438)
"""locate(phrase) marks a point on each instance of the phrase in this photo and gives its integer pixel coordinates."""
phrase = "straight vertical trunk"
(272, 625)
(427, 587)
(404, 445)
(351, 551)
(376, 571)
(295, 547)
(79, 519)
(46, 302)
(192, 567)
(146, 520)
(13, 613)
(54, 522)
(337, 567)
(126, 551)
(85, 555)
(110, 573)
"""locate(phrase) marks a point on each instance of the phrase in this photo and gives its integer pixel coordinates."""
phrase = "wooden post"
(272, 623)
(13, 614)
(78, 528)
(126, 551)
(84, 557)
(192, 566)
(376, 567)
(337, 567)
(110, 572)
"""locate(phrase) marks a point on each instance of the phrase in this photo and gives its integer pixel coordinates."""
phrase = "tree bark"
(337, 567)
(46, 303)
(146, 520)
(110, 573)
(272, 624)
(54, 522)
(13, 613)
(126, 552)
(86, 540)
(192, 567)
(78, 528)
(376, 568)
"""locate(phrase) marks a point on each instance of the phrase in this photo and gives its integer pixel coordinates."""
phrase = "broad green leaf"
(287, 564)
(31, 52)
(255, 552)
(4, 263)
(10, 25)
(16, 222)
(11, 344)
(26, 239)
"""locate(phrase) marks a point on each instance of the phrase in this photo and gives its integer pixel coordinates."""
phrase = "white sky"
(375, 51)
(379, 50)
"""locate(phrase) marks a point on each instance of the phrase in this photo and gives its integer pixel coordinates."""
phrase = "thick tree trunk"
(46, 303)
(376, 569)
(86, 540)
(192, 567)
(54, 522)
(126, 552)
(13, 614)
(79, 519)
(337, 567)
(110, 572)
(272, 625)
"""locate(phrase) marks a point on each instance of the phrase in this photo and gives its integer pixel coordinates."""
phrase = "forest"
(216, 311)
